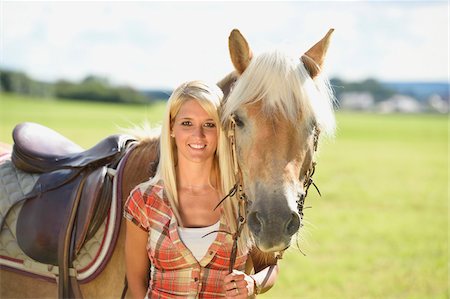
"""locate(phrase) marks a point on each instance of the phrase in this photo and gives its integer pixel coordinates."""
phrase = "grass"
(380, 229)
(83, 122)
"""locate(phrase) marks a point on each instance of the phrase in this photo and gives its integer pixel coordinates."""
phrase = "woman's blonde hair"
(209, 96)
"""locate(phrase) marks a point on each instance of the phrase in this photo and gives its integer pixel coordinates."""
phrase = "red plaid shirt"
(175, 273)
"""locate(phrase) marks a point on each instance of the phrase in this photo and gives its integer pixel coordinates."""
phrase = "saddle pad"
(14, 184)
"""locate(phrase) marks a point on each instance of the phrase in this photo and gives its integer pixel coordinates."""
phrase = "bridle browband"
(238, 190)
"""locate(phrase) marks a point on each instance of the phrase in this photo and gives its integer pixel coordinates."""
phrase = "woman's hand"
(238, 285)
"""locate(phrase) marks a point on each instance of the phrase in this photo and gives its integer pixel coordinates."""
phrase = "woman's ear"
(172, 134)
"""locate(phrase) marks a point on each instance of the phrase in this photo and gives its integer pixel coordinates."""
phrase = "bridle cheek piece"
(308, 176)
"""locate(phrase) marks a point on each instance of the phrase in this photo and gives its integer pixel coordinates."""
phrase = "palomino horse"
(274, 109)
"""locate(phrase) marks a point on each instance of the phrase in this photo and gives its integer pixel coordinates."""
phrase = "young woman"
(177, 245)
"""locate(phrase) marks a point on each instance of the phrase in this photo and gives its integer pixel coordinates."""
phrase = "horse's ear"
(240, 52)
(315, 57)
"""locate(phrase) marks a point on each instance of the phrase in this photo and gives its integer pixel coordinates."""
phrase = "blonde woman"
(177, 245)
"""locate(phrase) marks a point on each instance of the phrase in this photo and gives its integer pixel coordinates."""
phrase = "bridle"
(308, 176)
(238, 189)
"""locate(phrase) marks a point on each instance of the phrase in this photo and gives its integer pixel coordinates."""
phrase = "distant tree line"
(95, 88)
(91, 88)
(18, 82)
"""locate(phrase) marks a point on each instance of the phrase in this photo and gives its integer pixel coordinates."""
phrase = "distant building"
(357, 101)
(400, 104)
(438, 104)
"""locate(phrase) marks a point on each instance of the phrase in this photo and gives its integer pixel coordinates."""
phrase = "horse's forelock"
(285, 87)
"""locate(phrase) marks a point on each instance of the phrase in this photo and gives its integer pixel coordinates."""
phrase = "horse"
(274, 107)
(277, 107)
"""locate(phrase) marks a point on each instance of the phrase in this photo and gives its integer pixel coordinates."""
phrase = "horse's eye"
(238, 121)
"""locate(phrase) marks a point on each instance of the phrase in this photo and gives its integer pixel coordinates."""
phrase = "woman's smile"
(197, 146)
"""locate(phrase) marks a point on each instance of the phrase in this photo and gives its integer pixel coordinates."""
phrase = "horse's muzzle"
(271, 231)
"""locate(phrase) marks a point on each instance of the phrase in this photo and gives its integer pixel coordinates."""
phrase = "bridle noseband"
(238, 189)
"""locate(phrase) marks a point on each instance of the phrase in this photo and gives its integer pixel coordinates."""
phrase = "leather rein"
(238, 189)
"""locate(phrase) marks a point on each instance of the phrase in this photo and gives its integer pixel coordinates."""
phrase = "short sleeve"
(137, 206)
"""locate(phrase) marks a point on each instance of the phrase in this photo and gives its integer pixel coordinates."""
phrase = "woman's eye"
(186, 123)
(210, 125)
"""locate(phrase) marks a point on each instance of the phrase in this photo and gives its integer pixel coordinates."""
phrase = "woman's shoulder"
(146, 206)
(151, 193)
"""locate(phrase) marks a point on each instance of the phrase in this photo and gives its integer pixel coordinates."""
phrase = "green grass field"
(380, 229)
(83, 122)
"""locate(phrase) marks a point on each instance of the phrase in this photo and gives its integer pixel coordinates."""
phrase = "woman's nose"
(199, 131)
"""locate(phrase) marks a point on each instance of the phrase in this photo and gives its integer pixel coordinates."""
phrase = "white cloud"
(151, 44)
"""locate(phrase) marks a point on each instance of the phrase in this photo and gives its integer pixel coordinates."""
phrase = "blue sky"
(150, 44)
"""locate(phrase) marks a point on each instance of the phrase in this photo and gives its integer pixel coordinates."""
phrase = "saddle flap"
(41, 219)
(45, 214)
(94, 204)
(52, 180)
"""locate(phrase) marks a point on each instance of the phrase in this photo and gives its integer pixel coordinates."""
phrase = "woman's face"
(195, 133)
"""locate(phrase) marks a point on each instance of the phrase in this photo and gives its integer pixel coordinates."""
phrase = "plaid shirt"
(175, 273)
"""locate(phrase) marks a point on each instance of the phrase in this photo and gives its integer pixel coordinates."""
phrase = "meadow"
(380, 229)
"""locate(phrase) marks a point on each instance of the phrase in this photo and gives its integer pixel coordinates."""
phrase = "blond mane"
(287, 88)
(143, 132)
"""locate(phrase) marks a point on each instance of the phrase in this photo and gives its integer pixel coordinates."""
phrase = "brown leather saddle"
(69, 201)
(41, 149)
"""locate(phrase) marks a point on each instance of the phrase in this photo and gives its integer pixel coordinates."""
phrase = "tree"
(18, 82)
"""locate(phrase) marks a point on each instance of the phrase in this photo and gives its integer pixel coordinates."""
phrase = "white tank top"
(193, 238)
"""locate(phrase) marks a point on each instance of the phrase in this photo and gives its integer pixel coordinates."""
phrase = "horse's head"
(278, 105)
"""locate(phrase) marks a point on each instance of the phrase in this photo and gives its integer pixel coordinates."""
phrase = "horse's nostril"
(254, 223)
(293, 225)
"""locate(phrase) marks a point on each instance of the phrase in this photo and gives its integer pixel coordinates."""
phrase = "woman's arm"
(137, 262)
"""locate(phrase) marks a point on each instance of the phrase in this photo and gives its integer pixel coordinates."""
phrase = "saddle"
(41, 149)
(70, 199)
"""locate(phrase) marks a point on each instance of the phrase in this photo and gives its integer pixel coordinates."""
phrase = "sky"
(148, 44)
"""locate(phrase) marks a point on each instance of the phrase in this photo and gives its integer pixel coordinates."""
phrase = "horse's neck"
(140, 166)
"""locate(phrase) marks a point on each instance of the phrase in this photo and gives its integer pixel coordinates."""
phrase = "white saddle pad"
(14, 184)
